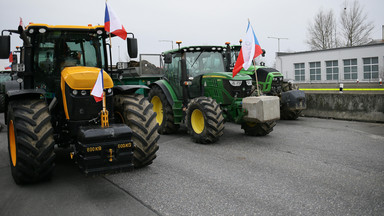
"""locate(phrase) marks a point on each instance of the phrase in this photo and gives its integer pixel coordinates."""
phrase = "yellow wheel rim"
(158, 109)
(12, 143)
(197, 121)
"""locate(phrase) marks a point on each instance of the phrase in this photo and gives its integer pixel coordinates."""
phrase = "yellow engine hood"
(84, 78)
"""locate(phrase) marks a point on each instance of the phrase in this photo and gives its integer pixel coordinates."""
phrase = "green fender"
(167, 89)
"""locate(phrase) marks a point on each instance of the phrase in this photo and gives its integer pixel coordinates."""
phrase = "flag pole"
(104, 113)
(110, 40)
(257, 80)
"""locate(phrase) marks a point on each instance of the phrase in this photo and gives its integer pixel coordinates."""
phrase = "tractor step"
(104, 150)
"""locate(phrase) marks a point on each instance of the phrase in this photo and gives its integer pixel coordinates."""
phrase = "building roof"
(371, 44)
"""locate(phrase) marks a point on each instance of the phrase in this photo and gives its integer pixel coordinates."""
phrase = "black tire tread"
(260, 129)
(142, 121)
(213, 117)
(34, 141)
(286, 114)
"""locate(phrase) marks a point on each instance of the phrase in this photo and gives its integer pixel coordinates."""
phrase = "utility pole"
(171, 41)
(278, 41)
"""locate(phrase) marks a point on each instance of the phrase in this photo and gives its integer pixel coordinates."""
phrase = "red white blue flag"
(98, 88)
(10, 57)
(8, 68)
(250, 49)
(112, 23)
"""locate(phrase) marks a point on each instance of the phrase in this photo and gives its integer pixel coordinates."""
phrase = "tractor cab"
(200, 70)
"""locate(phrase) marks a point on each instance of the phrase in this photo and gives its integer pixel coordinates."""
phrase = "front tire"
(205, 121)
(30, 141)
(137, 113)
(286, 114)
(258, 129)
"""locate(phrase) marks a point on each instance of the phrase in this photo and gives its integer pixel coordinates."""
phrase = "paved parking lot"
(305, 167)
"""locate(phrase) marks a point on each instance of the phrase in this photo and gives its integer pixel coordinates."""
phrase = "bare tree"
(322, 33)
(355, 28)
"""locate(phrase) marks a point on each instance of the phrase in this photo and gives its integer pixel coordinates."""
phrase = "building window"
(332, 69)
(315, 70)
(371, 68)
(299, 72)
(350, 69)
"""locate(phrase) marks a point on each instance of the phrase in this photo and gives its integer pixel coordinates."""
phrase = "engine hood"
(227, 75)
(84, 78)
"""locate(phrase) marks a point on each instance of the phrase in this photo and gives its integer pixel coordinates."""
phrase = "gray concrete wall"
(359, 107)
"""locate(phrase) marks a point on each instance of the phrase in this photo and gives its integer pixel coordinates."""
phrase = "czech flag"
(98, 88)
(250, 49)
(112, 23)
(10, 57)
(8, 68)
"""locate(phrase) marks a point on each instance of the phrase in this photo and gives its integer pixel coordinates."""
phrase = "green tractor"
(196, 91)
(48, 104)
(271, 82)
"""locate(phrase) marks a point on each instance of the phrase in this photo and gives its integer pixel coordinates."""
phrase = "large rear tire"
(30, 141)
(258, 129)
(205, 121)
(163, 110)
(137, 113)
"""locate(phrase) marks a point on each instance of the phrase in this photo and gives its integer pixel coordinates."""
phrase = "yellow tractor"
(48, 103)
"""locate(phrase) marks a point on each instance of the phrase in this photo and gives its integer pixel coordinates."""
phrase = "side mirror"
(132, 47)
(5, 46)
(168, 58)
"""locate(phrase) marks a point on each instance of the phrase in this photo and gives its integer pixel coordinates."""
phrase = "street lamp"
(278, 41)
(171, 41)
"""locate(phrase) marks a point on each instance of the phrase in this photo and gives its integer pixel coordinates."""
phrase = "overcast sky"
(196, 22)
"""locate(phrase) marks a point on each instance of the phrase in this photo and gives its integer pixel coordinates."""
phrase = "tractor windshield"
(55, 50)
(199, 63)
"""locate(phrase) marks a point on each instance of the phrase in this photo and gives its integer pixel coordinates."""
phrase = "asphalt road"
(305, 167)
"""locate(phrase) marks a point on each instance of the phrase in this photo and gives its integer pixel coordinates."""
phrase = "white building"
(348, 64)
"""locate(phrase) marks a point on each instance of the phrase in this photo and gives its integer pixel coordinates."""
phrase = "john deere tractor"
(196, 90)
(49, 104)
(271, 82)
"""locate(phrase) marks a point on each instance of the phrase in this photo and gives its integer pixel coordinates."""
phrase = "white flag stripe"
(98, 88)
(114, 21)
(248, 47)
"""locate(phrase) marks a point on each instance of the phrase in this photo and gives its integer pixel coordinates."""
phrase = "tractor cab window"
(199, 63)
(173, 68)
(45, 57)
(234, 55)
(59, 49)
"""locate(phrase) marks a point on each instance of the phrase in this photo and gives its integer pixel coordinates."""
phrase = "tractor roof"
(196, 49)
(65, 27)
(236, 47)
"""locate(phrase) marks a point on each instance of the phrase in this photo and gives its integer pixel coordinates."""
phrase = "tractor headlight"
(235, 82)
(83, 92)
(74, 92)
(249, 82)
(109, 91)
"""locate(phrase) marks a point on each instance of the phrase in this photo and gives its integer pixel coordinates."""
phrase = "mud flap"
(104, 150)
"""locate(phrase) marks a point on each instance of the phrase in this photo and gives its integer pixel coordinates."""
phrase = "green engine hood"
(227, 75)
